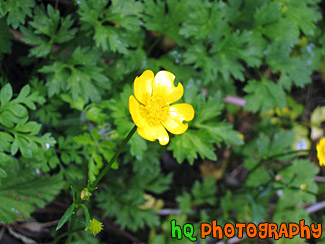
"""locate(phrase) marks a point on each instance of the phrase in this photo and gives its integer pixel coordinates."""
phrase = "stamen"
(155, 110)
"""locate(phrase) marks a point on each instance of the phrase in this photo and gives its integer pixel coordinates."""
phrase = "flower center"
(155, 110)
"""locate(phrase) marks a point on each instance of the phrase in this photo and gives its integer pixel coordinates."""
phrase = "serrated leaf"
(302, 15)
(80, 75)
(21, 195)
(292, 176)
(294, 69)
(120, 14)
(47, 28)
(263, 96)
(17, 11)
(191, 144)
(205, 192)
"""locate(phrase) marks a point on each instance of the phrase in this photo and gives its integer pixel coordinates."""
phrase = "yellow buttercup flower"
(321, 151)
(151, 108)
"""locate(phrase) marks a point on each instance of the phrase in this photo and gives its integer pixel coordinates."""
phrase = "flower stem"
(65, 234)
(73, 222)
(110, 163)
(263, 160)
(93, 187)
(296, 189)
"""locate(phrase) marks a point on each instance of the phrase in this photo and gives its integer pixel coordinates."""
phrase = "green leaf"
(209, 109)
(5, 94)
(46, 29)
(302, 15)
(191, 144)
(263, 96)
(14, 116)
(204, 130)
(20, 196)
(5, 40)
(80, 75)
(269, 23)
(66, 216)
(159, 184)
(4, 159)
(87, 215)
(292, 176)
(294, 69)
(18, 11)
(83, 139)
(5, 141)
(164, 17)
(226, 54)
(123, 204)
(3, 173)
(205, 192)
(123, 16)
(222, 132)
(138, 146)
(267, 146)
(257, 178)
(184, 202)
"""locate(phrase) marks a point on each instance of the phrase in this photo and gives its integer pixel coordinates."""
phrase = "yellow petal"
(177, 114)
(163, 85)
(320, 147)
(143, 86)
(134, 107)
(151, 133)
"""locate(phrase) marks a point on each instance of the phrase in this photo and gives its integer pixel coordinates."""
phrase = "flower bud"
(85, 194)
(95, 227)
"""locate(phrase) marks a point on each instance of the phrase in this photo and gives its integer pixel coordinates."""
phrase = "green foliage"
(79, 75)
(18, 133)
(66, 73)
(47, 29)
(205, 132)
(17, 11)
(265, 149)
(293, 177)
(21, 195)
(124, 201)
(123, 15)
(296, 69)
(157, 18)
(96, 150)
(67, 214)
(202, 193)
(5, 41)
(120, 113)
(258, 91)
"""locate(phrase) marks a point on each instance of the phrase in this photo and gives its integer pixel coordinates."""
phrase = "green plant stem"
(262, 161)
(94, 184)
(72, 224)
(296, 188)
(110, 163)
(65, 234)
